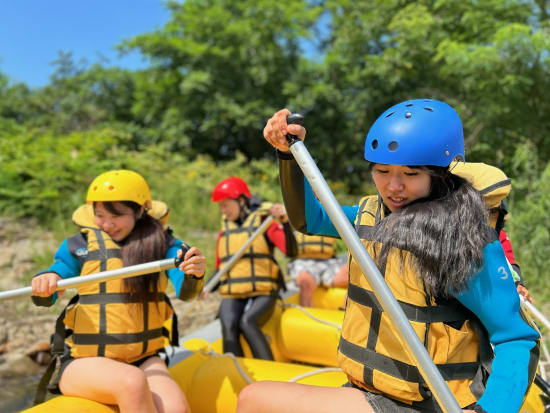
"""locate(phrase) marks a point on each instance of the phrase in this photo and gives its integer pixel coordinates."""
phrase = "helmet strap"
(243, 207)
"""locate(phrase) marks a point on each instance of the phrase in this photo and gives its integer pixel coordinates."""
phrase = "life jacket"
(314, 246)
(105, 321)
(374, 357)
(492, 183)
(256, 272)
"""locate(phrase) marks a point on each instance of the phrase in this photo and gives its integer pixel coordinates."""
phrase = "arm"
(305, 211)
(187, 286)
(282, 237)
(493, 298)
(65, 265)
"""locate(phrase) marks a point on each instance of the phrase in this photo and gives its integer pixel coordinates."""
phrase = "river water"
(17, 391)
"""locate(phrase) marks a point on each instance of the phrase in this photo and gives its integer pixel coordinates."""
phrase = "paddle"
(404, 330)
(535, 312)
(132, 271)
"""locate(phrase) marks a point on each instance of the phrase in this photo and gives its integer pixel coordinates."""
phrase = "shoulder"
(77, 245)
(368, 204)
(171, 240)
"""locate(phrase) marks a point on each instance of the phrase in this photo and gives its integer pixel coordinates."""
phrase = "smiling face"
(117, 225)
(400, 185)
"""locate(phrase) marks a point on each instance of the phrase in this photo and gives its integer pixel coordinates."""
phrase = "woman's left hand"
(194, 263)
(524, 292)
(279, 212)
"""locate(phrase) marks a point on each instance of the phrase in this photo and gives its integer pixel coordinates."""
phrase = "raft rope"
(212, 353)
(313, 373)
(246, 377)
(320, 320)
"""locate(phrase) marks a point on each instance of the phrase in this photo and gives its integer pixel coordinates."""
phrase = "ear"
(140, 213)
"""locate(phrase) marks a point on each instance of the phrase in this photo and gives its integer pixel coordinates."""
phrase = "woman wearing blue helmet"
(425, 229)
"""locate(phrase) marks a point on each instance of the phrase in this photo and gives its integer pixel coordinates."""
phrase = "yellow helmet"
(121, 185)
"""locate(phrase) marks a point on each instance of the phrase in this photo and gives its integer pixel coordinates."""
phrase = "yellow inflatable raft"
(304, 343)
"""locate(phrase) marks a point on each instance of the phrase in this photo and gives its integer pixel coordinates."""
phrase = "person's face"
(117, 226)
(230, 208)
(400, 185)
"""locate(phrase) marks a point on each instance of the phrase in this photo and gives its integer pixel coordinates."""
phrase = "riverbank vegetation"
(219, 68)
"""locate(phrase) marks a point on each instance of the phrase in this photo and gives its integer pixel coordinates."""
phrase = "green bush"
(46, 177)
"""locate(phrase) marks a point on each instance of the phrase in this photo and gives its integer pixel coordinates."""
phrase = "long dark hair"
(444, 233)
(147, 242)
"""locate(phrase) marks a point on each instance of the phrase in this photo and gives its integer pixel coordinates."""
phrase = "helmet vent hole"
(409, 105)
(429, 109)
(111, 188)
(374, 144)
(408, 115)
(392, 146)
(389, 114)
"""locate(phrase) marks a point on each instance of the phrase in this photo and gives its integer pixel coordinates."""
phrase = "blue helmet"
(416, 132)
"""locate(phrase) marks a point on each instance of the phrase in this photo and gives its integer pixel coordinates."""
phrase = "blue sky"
(33, 31)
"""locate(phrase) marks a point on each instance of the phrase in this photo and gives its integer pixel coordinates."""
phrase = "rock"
(40, 353)
(20, 366)
(6, 255)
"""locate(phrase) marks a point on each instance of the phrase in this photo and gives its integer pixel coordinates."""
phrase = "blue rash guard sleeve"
(492, 297)
(175, 275)
(186, 286)
(65, 265)
(317, 219)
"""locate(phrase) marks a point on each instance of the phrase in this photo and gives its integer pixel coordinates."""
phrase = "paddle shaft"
(403, 328)
(132, 271)
(535, 312)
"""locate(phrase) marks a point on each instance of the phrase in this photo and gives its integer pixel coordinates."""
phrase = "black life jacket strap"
(57, 348)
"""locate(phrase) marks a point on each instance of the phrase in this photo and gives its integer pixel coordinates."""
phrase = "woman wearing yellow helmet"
(110, 335)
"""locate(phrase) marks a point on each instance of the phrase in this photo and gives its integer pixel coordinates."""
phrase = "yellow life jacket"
(490, 181)
(374, 357)
(103, 319)
(256, 272)
(314, 246)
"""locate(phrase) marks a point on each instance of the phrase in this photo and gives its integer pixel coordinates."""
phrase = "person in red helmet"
(250, 288)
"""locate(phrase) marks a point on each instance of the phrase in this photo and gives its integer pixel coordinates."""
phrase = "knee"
(133, 386)
(306, 281)
(230, 325)
(249, 398)
(176, 408)
(248, 322)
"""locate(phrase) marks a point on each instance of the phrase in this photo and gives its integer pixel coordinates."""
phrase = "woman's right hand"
(276, 129)
(45, 284)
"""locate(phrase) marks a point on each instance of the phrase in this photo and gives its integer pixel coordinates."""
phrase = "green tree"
(488, 59)
(219, 69)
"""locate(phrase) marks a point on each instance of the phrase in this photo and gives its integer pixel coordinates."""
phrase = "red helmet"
(230, 188)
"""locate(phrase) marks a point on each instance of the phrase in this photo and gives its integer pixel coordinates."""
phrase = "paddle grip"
(293, 119)
(178, 260)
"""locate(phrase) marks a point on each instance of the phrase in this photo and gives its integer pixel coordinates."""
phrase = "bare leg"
(340, 279)
(110, 382)
(167, 395)
(307, 285)
(276, 397)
